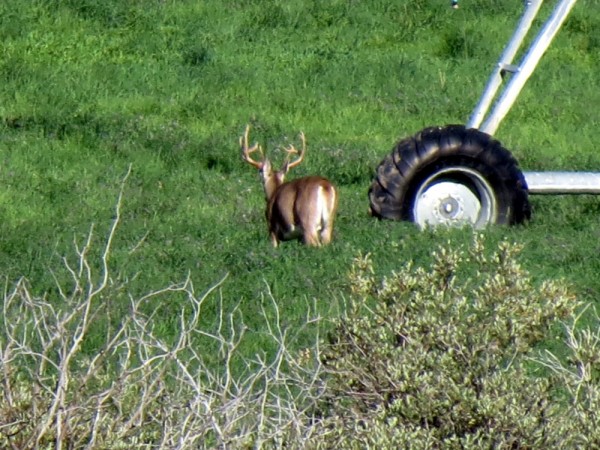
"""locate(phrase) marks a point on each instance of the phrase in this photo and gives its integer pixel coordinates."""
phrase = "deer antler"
(292, 150)
(247, 151)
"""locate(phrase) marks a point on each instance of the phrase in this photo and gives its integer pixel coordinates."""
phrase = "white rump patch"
(323, 207)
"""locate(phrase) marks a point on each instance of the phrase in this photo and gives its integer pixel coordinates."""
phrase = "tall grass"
(89, 88)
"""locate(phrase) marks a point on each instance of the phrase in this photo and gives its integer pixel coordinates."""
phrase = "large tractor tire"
(450, 176)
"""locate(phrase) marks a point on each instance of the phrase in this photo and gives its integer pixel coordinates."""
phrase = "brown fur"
(303, 209)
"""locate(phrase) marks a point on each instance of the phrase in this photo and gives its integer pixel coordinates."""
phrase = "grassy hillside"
(89, 88)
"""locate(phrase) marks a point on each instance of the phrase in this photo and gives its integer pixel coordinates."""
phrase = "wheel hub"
(455, 197)
(449, 208)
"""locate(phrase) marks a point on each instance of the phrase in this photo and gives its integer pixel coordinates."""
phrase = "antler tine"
(292, 150)
(246, 151)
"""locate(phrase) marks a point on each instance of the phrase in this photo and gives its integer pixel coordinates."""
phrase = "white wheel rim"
(456, 196)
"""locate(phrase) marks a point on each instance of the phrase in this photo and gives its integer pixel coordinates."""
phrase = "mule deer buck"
(299, 209)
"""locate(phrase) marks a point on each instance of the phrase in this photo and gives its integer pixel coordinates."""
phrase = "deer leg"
(311, 228)
(274, 240)
(310, 232)
(311, 238)
(326, 233)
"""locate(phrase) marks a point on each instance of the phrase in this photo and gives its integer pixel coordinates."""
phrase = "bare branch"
(137, 387)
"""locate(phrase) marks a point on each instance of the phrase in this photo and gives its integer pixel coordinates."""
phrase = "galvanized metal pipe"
(531, 10)
(563, 182)
(527, 66)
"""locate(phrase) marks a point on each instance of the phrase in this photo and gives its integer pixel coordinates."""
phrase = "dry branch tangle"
(140, 390)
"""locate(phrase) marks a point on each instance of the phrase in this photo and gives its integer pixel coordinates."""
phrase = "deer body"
(303, 208)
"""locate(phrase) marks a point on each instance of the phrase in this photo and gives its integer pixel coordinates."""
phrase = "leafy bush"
(444, 357)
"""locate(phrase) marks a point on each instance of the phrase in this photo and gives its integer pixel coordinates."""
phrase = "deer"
(303, 208)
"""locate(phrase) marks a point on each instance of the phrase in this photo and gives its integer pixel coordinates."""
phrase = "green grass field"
(89, 88)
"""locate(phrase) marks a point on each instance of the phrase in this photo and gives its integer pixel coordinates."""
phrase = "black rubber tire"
(415, 159)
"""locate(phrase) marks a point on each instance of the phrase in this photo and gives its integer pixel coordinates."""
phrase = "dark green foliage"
(444, 357)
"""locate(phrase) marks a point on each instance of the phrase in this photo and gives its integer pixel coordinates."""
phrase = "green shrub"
(443, 357)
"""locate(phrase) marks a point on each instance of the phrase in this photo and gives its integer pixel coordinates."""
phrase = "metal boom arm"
(523, 71)
(538, 182)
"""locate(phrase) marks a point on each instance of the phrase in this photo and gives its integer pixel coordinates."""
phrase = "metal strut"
(522, 71)
(537, 182)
